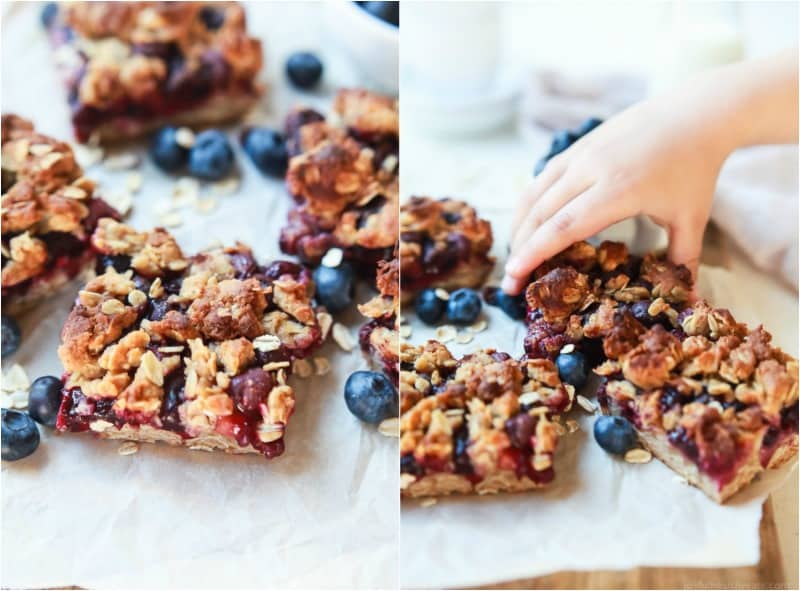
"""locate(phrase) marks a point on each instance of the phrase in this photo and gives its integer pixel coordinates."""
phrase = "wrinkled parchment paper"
(76, 513)
(600, 513)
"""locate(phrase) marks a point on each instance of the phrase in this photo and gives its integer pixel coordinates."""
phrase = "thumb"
(685, 246)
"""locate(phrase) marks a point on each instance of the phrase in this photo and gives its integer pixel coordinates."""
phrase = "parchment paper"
(76, 513)
(600, 513)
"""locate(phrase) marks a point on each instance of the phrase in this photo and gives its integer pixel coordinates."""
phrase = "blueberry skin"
(48, 14)
(464, 306)
(563, 139)
(267, 150)
(212, 18)
(334, 286)
(211, 156)
(304, 69)
(388, 12)
(615, 434)
(514, 306)
(11, 336)
(20, 435)
(588, 125)
(429, 307)
(572, 368)
(166, 152)
(44, 399)
(371, 396)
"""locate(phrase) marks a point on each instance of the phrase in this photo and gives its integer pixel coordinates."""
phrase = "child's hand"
(660, 158)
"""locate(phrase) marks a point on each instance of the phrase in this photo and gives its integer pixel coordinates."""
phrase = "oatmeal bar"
(343, 176)
(484, 423)
(601, 297)
(379, 337)
(443, 243)
(131, 67)
(712, 399)
(48, 214)
(192, 351)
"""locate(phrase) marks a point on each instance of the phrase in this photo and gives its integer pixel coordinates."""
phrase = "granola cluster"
(582, 292)
(152, 57)
(48, 210)
(343, 175)
(482, 423)
(379, 337)
(443, 243)
(199, 346)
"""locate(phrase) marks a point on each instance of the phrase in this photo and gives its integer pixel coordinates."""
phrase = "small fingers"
(551, 173)
(582, 217)
(685, 245)
(566, 188)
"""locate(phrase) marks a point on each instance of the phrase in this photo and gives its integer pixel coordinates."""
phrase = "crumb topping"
(203, 346)
(343, 174)
(439, 235)
(479, 414)
(46, 203)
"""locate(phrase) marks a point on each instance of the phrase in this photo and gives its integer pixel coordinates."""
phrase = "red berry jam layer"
(482, 423)
(188, 350)
(380, 338)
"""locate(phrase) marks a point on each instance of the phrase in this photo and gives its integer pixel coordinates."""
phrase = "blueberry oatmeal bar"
(49, 211)
(131, 67)
(485, 423)
(443, 243)
(187, 350)
(379, 337)
(712, 399)
(343, 175)
(576, 296)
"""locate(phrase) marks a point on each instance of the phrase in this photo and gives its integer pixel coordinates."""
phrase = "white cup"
(450, 47)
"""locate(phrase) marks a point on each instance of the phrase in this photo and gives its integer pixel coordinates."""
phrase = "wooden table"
(767, 574)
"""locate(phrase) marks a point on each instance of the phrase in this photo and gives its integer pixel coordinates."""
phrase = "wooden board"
(767, 574)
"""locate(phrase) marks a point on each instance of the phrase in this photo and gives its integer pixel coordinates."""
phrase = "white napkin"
(756, 205)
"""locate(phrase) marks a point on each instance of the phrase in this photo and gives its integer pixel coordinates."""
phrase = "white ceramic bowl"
(372, 43)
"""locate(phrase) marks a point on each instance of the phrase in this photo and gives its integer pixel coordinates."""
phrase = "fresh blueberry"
(572, 368)
(562, 140)
(11, 336)
(514, 306)
(44, 399)
(304, 69)
(49, 13)
(212, 17)
(370, 396)
(211, 156)
(588, 126)
(464, 306)
(267, 150)
(386, 11)
(166, 152)
(614, 434)
(334, 286)
(429, 306)
(541, 164)
(20, 435)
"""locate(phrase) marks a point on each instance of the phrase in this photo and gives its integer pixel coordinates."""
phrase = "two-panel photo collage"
(244, 347)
